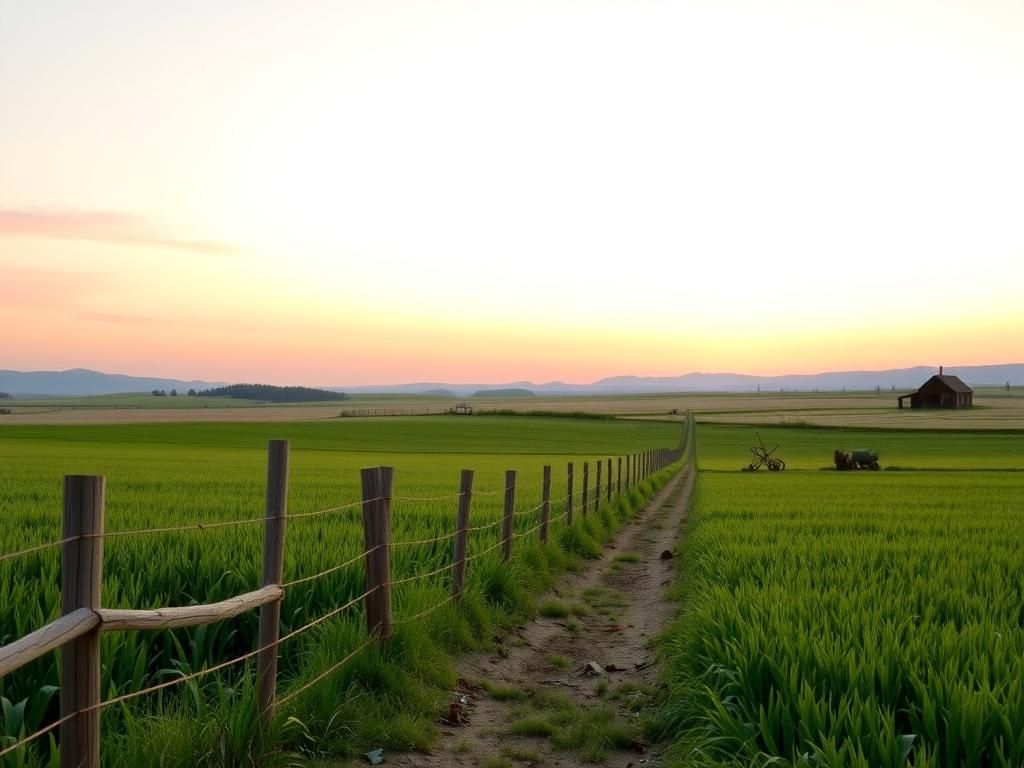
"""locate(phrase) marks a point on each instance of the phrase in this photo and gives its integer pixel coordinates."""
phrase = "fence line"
(78, 629)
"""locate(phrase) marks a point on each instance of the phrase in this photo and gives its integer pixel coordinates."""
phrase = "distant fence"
(77, 632)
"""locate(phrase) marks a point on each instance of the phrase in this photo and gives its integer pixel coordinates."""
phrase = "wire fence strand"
(37, 548)
(446, 497)
(421, 614)
(41, 732)
(435, 540)
(225, 664)
(333, 668)
(418, 576)
(330, 510)
(529, 511)
(330, 570)
(485, 526)
(484, 552)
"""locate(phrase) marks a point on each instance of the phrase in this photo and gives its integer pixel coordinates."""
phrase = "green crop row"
(727, 447)
(864, 620)
(169, 475)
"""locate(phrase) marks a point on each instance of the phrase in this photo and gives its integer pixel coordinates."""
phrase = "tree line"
(272, 394)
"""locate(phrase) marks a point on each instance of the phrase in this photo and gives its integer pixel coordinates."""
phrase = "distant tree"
(1007, 386)
(272, 394)
(6, 396)
(191, 393)
(174, 393)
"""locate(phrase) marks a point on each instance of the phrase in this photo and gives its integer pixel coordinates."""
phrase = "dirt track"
(540, 671)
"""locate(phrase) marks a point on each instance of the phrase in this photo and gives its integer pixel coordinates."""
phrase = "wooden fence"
(77, 632)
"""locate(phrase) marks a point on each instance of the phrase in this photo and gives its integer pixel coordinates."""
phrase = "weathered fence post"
(609, 497)
(597, 488)
(545, 505)
(377, 483)
(568, 495)
(629, 469)
(81, 579)
(510, 506)
(618, 482)
(273, 573)
(461, 533)
(586, 486)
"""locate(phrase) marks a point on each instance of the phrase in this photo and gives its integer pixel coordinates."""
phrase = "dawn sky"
(348, 193)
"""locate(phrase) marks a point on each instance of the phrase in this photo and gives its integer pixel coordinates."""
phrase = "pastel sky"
(369, 192)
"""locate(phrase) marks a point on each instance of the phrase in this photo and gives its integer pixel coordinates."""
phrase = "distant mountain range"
(900, 378)
(85, 382)
(80, 381)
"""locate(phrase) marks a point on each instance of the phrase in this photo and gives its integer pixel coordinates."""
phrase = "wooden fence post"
(81, 579)
(597, 488)
(609, 497)
(629, 469)
(377, 483)
(545, 506)
(273, 573)
(618, 482)
(586, 486)
(461, 533)
(510, 506)
(568, 495)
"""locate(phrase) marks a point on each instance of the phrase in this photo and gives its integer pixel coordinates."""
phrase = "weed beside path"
(572, 686)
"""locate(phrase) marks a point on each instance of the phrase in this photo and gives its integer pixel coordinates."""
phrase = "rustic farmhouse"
(941, 391)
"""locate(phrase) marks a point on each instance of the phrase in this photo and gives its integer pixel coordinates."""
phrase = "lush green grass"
(857, 620)
(174, 474)
(723, 447)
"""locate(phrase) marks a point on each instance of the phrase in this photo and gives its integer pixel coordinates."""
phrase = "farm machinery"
(764, 458)
(858, 459)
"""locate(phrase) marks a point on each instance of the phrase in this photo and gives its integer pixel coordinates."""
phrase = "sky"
(343, 193)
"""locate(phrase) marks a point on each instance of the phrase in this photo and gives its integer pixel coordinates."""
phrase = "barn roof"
(953, 382)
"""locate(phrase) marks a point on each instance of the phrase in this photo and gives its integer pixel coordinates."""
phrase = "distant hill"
(81, 381)
(833, 381)
(272, 394)
(86, 382)
(511, 392)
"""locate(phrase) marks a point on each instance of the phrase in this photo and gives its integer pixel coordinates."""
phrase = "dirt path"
(535, 701)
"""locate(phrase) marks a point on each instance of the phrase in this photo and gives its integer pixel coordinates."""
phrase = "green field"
(851, 619)
(173, 474)
(727, 447)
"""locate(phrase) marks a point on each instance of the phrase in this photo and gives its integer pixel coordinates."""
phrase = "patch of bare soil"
(568, 688)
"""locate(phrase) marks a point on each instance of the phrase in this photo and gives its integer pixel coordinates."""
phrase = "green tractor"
(861, 458)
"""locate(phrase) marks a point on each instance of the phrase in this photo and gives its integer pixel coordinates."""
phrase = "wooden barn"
(941, 391)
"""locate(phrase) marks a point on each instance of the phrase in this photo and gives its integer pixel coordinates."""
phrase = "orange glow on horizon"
(399, 194)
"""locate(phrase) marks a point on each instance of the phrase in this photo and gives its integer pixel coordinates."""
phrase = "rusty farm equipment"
(764, 458)
(856, 460)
